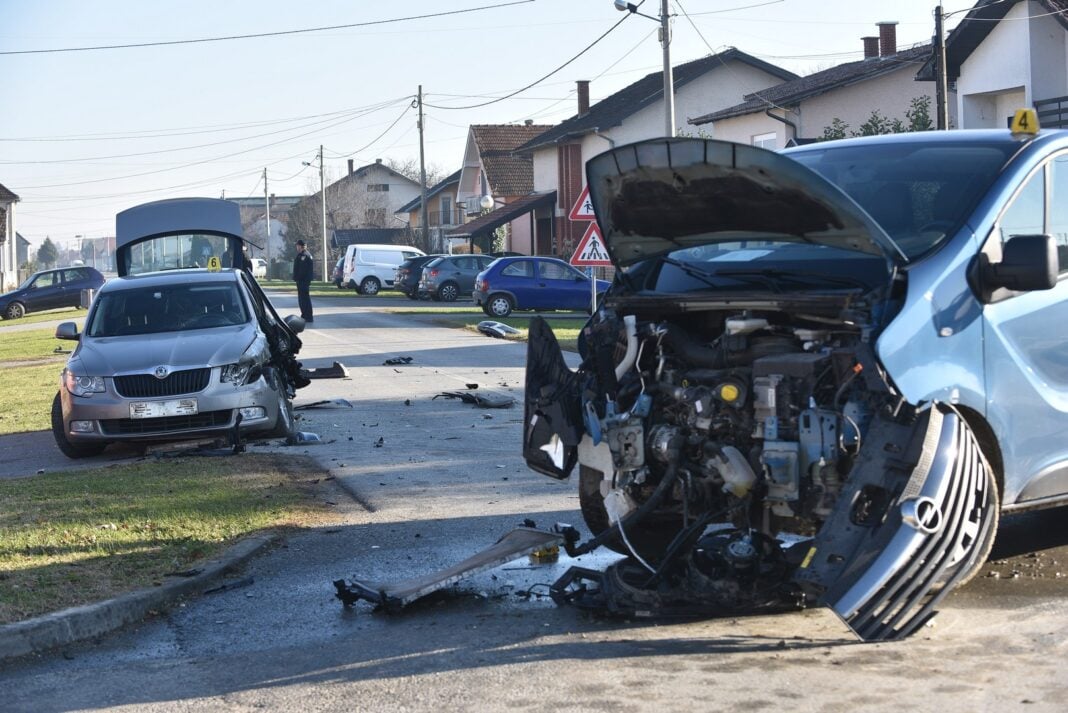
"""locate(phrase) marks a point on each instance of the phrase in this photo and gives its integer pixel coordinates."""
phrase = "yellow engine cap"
(729, 392)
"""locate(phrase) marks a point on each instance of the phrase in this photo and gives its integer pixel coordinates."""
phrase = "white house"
(802, 109)
(8, 244)
(1007, 54)
(633, 113)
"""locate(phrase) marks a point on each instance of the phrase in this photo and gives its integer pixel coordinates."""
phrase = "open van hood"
(660, 195)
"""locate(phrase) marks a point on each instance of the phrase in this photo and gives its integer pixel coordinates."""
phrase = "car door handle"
(541, 284)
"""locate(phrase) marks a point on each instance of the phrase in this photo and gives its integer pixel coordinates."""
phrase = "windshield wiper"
(708, 278)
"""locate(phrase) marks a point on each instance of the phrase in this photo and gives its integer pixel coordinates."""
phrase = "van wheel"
(370, 286)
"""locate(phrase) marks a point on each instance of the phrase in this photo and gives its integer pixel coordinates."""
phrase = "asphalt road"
(437, 480)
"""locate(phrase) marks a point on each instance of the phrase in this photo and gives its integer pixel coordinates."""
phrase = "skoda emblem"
(922, 514)
(161, 372)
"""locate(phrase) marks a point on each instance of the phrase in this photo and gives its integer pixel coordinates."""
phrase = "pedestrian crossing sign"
(591, 251)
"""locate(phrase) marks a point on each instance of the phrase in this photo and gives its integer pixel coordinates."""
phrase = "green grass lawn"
(29, 378)
(67, 314)
(68, 539)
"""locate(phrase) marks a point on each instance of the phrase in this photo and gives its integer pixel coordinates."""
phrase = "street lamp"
(665, 40)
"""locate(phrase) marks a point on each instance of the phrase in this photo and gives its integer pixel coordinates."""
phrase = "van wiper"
(709, 278)
(778, 276)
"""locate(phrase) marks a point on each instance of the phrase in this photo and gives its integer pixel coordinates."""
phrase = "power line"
(375, 139)
(279, 33)
(586, 49)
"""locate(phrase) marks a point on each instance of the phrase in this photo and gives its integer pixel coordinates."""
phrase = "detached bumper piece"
(909, 532)
(520, 542)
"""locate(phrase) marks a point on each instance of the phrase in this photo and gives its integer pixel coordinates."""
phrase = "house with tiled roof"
(442, 214)
(633, 113)
(801, 109)
(1008, 54)
(9, 265)
(492, 177)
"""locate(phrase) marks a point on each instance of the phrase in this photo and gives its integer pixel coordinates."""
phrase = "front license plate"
(157, 409)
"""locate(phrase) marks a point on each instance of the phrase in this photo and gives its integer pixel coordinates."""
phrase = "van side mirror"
(1028, 262)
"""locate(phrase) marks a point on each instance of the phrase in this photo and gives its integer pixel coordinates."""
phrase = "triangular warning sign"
(591, 251)
(583, 208)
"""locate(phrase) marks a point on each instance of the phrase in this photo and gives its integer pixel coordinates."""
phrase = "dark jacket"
(302, 267)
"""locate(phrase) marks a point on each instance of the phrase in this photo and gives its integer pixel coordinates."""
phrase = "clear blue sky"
(84, 135)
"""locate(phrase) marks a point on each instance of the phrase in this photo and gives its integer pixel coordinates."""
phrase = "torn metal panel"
(520, 542)
(335, 371)
(482, 400)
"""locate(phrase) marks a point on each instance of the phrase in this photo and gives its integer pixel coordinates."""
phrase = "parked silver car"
(174, 351)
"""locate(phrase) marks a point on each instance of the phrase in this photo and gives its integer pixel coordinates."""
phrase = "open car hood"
(656, 196)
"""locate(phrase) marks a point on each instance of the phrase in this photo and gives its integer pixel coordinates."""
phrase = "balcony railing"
(1052, 113)
(440, 219)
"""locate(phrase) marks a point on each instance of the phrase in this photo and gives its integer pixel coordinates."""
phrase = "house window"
(446, 210)
(765, 141)
(377, 187)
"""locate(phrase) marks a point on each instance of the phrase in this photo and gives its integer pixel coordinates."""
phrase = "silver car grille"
(140, 386)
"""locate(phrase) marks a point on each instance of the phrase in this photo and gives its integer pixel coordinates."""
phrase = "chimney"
(378, 160)
(350, 166)
(871, 47)
(528, 122)
(887, 38)
(583, 86)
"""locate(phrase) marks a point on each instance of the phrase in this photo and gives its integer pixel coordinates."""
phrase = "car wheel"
(370, 286)
(71, 450)
(449, 292)
(285, 425)
(499, 305)
(15, 310)
(650, 539)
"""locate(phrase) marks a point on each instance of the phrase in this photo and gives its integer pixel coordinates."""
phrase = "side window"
(465, 263)
(1058, 209)
(521, 268)
(74, 275)
(46, 280)
(553, 271)
(1027, 213)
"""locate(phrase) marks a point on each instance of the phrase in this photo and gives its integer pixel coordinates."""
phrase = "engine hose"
(630, 323)
(671, 473)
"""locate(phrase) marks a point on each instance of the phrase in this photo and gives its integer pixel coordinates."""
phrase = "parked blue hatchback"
(50, 289)
(532, 283)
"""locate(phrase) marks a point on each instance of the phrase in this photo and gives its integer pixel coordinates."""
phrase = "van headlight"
(82, 385)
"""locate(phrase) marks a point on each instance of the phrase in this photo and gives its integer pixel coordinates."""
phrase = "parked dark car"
(50, 289)
(409, 273)
(537, 283)
(449, 277)
(337, 277)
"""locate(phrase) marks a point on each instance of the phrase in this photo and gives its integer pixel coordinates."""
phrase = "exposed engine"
(760, 421)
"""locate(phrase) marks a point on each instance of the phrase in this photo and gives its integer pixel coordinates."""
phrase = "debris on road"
(398, 361)
(226, 586)
(335, 371)
(328, 403)
(497, 329)
(480, 400)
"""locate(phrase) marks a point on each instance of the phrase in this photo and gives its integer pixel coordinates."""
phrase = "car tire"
(449, 292)
(650, 539)
(285, 425)
(370, 286)
(15, 310)
(71, 450)
(499, 305)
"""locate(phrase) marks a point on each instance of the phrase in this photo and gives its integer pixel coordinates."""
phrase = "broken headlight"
(243, 372)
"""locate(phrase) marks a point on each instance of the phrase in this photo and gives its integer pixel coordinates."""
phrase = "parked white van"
(370, 267)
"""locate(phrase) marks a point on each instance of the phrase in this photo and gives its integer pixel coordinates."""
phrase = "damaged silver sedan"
(818, 378)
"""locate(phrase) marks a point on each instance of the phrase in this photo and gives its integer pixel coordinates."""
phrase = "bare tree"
(409, 168)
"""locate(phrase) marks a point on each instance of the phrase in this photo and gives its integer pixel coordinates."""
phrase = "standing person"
(302, 275)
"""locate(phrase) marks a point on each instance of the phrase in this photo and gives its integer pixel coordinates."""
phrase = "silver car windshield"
(175, 252)
(169, 308)
(918, 193)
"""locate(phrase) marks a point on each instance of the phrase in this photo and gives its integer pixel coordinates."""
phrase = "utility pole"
(941, 89)
(422, 177)
(322, 191)
(669, 80)
(267, 205)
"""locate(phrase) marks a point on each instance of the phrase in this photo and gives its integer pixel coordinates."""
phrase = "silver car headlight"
(241, 373)
(82, 385)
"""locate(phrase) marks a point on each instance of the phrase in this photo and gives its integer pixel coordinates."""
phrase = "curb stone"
(85, 622)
